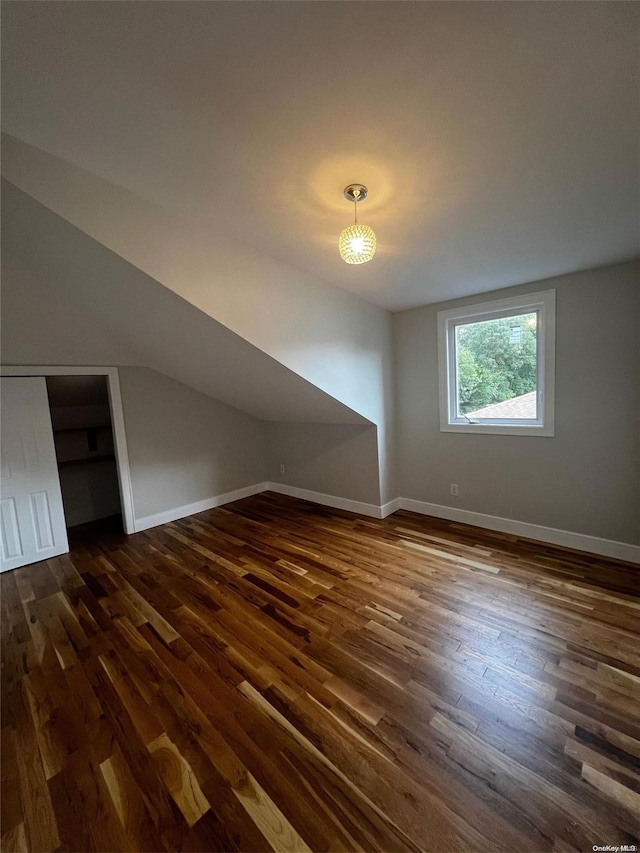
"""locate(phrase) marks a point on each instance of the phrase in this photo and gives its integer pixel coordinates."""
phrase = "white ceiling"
(499, 141)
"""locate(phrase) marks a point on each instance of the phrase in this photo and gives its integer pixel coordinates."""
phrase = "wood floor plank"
(276, 675)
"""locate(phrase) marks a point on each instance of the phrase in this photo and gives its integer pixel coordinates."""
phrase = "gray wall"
(585, 479)
(43, 324)
(185, 447)
(334, 459)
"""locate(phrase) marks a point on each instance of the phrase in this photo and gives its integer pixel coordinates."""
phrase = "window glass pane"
(496, 363)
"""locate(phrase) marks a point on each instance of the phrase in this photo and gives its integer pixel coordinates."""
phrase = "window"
(496, 364)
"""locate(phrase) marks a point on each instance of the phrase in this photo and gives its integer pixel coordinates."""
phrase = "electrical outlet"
(453, 488)
(282, 469)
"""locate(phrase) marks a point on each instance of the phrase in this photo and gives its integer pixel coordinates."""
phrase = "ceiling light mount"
(357, 243)
(356, 192)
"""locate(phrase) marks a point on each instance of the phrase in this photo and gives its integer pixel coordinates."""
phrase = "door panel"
(31, 512)
(11, 542)
(41, 515)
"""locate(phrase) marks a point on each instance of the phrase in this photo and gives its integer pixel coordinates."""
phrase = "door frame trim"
(117, 422)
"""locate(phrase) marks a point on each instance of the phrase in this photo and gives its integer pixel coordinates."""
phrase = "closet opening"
(84, 444)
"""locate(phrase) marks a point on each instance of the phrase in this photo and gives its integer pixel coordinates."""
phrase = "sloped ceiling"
(498, 140)
(331, 338)
(145, 323)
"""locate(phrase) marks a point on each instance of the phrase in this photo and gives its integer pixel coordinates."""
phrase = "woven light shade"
(357, 244)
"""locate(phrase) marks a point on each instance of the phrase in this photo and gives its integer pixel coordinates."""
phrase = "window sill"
(496, 429)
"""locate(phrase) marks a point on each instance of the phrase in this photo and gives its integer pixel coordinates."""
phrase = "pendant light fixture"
(357, 243)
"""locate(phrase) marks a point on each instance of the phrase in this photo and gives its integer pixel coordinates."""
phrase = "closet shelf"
(81, 429)
(68, 462)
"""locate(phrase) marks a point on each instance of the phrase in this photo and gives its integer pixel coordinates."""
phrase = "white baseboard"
(372, 510)
(564, 538)
(200, 506)
(391, 507)
(551, 535)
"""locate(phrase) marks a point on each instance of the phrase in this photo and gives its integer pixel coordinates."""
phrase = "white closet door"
(32, 522)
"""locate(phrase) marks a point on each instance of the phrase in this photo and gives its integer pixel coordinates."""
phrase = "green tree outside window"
(494, 361)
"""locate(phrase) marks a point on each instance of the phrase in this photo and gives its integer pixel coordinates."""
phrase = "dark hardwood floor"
(277, 675)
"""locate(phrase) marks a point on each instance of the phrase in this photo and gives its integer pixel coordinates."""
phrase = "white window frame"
(544, 303)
